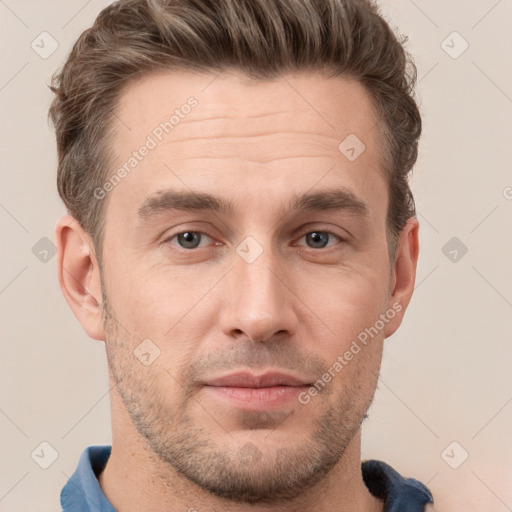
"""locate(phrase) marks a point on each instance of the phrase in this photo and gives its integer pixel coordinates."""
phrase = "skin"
(295, 308)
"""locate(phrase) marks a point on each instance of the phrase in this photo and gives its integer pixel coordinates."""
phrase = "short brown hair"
(262, 38)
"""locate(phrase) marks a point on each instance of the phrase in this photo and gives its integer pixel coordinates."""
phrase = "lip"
(251, 380)
(256, 392)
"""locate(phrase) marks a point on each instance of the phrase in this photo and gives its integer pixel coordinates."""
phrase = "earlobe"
(79, 275)
(403, 274)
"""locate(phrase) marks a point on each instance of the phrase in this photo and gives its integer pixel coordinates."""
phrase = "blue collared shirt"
(82, 492)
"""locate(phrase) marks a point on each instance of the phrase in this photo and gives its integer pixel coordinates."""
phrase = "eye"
(188, 239)
(320, 239)
(197, 239)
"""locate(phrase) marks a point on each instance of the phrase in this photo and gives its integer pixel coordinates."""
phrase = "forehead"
(231, 133)
(329, 106)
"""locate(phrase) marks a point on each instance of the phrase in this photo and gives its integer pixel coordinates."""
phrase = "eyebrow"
(170, 200)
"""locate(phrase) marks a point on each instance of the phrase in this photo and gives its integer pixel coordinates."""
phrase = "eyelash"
(323, 231)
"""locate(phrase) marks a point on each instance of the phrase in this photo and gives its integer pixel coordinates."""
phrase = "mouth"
(256, 392)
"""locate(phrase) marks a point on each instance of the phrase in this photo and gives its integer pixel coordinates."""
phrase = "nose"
(259, 301)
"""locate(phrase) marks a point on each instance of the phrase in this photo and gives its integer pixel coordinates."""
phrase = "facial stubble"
(231, 468)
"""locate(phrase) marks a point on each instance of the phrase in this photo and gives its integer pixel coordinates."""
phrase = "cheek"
(171, 307)
(350, 305)
(348, 302)
(139, 291)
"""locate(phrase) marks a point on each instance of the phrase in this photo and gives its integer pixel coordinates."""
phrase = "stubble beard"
(242, 472)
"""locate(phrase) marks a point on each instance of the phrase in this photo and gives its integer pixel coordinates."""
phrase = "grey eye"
(318, 239)
(189, 239)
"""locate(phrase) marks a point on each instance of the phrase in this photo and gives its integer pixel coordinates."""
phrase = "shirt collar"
(399, 494)
(82, 492)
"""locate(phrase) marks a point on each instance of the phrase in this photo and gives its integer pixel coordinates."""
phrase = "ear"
(403, 274)
(79, 275)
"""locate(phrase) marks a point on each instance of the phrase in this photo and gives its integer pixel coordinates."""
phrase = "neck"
(136, 479)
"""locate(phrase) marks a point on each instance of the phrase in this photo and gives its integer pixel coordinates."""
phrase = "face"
(245, 275)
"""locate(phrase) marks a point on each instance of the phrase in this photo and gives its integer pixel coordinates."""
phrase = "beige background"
(446, 373)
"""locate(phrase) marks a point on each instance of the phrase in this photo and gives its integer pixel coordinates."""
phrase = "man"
(242, 236)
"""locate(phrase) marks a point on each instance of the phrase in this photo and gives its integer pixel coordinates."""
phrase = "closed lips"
(249, 380)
